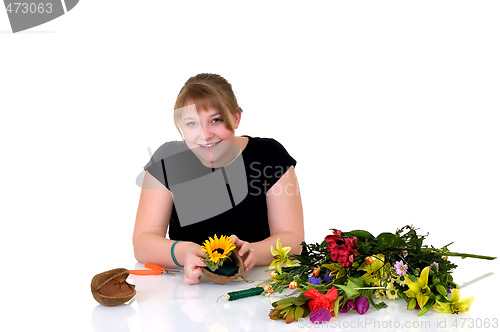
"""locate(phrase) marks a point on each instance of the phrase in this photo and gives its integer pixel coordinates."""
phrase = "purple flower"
(319, 316)
(347, 306)
(401, 268)
(314, 281)
(327, 276)
(362, 305)
(405, 253)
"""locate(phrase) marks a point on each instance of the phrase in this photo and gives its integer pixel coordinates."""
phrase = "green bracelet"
(172, 254)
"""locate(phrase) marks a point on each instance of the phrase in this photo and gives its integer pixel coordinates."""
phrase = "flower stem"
(463, 255)
(262, 283)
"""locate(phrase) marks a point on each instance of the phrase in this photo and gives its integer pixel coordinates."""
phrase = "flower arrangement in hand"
(348, 269)
(222, 260)
(217, 250)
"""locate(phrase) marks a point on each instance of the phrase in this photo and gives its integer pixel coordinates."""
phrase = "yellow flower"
(401, 281)
(379, 294)
(374, 269)
(419, 289)
(280, 257)
(373, 264)
(391, 292)
(293, 285)
(218, 248)
(455, 305)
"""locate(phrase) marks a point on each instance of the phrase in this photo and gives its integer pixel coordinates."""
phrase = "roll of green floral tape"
(231, 296)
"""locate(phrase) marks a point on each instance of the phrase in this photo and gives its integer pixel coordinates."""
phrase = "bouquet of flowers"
(348, 269)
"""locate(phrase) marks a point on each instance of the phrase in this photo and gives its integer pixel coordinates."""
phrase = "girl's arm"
(150, 244)
(286, 221)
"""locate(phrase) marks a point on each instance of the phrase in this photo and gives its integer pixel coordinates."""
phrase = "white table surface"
(165, 303)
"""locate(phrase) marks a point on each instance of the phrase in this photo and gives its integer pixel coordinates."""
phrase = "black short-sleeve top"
(222, 201)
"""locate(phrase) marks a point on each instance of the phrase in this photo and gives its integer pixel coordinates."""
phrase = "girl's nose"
(207, 132)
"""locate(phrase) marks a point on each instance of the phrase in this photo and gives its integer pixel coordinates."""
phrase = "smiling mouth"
(208, 146)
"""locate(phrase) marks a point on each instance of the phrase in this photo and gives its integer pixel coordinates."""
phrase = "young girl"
(214, 182)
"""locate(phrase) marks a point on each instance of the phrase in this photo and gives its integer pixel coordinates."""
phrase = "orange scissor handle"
(154, 270)
(145, 272)
(154, 267)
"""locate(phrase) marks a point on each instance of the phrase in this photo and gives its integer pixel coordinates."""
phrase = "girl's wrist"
(182, 249)
(172, 253)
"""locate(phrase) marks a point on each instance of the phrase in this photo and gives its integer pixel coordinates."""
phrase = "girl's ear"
(237, 118)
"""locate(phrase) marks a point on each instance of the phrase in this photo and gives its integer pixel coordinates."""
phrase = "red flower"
(319, 300)
(342, 249)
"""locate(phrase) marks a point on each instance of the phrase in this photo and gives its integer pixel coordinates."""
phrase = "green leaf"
(336, 306)
(360, 234)
(385, 239)
(287, 300)
(299, 312)
(283, 306)
(382, 305)
(368, 293)
(349, 291)
(307, 311)
(356, 282)
(299, 303)
(302, 297)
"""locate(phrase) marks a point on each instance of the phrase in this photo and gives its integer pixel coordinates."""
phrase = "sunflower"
(217, 250)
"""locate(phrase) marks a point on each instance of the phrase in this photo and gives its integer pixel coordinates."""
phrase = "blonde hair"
(208, 91)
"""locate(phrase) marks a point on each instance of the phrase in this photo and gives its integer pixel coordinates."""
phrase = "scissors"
(153, 270)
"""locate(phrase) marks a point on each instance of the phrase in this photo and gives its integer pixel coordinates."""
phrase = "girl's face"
(207, 136)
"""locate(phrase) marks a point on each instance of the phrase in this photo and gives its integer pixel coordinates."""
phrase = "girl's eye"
(191, 124)
(217, 120)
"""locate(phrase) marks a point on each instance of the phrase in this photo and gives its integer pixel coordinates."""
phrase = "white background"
(391, 109)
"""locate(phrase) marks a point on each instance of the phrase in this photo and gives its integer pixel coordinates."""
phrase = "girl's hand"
(193, 263)
(246, 251)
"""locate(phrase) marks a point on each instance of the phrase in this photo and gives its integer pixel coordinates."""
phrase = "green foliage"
(290, 309)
